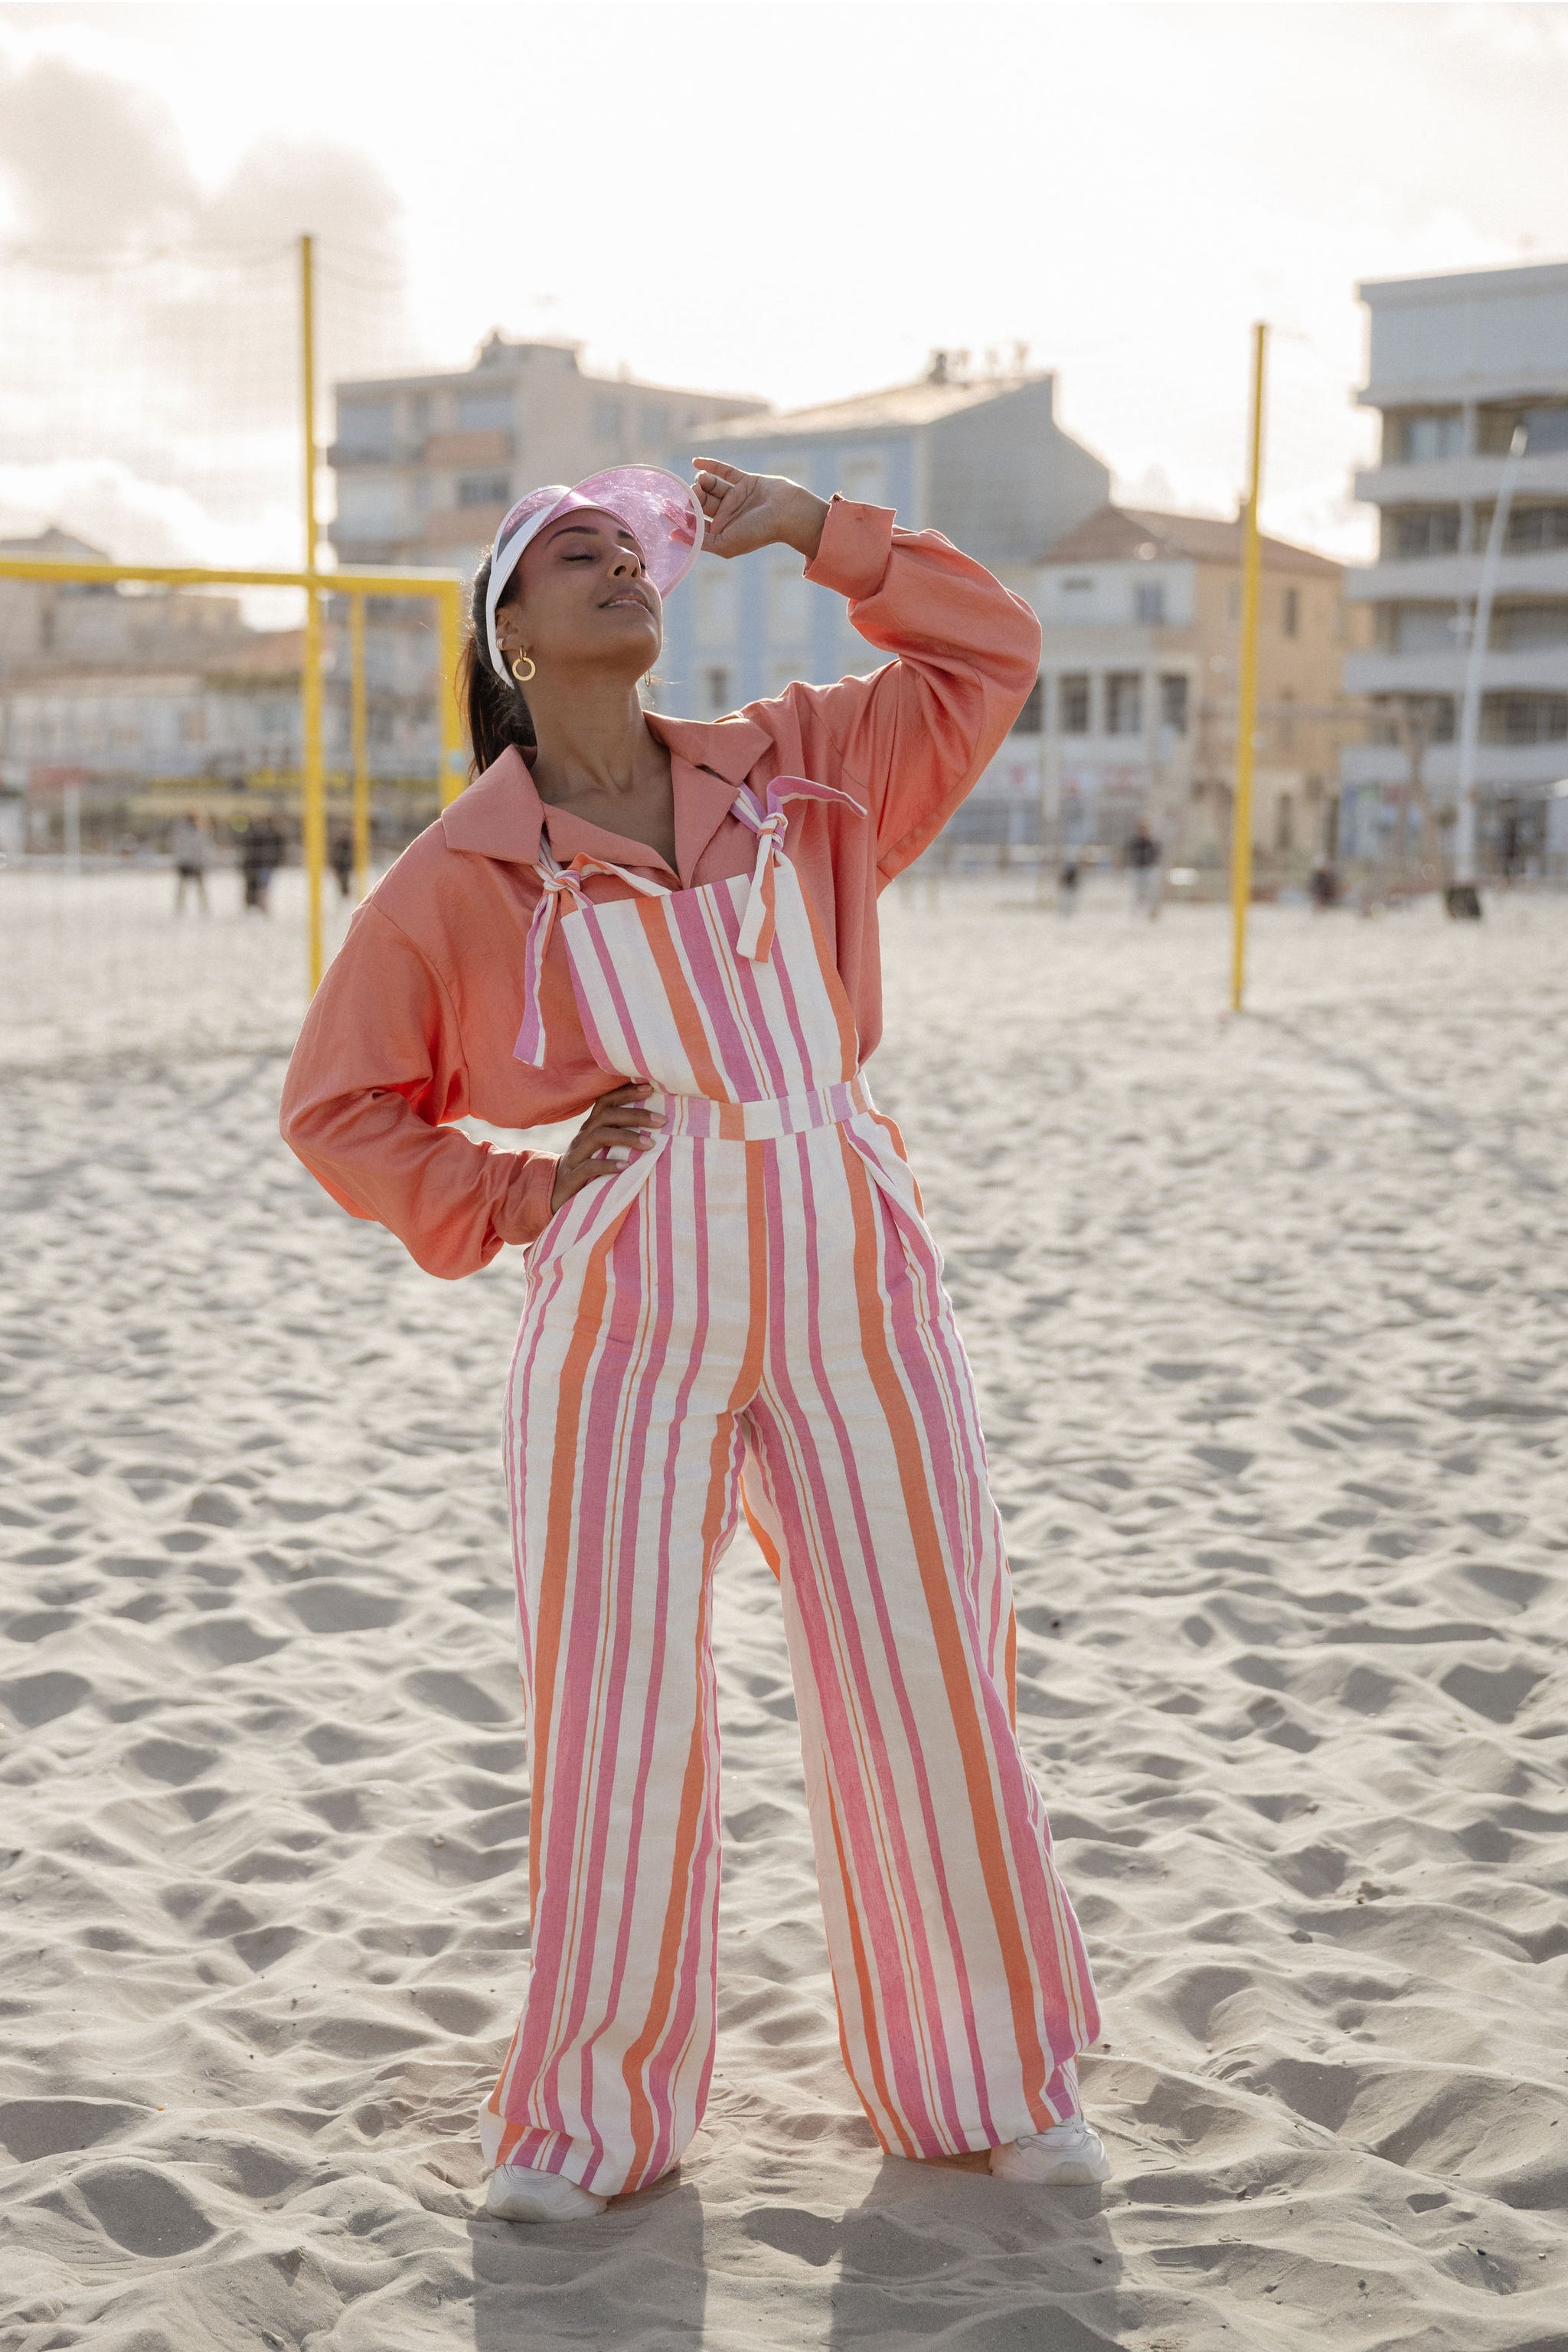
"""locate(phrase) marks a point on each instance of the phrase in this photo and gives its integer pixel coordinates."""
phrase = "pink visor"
(660, 510)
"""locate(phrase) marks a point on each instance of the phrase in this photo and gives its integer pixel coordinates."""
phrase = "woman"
(731, 1301)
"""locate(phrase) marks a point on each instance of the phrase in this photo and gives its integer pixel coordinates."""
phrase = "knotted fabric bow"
(560, 882)
(770, 825)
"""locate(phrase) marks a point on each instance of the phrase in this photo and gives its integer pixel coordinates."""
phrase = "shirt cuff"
(524, 1213)
(857, 545)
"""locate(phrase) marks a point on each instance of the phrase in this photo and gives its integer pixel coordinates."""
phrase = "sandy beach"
(1267, 1318)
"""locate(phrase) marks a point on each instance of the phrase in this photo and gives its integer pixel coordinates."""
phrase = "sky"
(797, 198)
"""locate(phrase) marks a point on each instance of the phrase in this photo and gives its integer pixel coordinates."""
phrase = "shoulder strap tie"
(558, 883)
(770, 825)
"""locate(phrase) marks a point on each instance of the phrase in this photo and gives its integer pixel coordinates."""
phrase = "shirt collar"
(500, 814)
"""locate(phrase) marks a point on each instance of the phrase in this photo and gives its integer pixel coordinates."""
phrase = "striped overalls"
(749, 1314)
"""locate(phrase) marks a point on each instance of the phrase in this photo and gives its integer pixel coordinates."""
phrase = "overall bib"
(758, 1292)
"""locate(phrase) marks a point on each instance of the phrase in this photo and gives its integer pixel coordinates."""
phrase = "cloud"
(150, 323)
(94, 163)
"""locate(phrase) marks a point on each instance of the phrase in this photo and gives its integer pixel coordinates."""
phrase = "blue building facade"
(983, 462)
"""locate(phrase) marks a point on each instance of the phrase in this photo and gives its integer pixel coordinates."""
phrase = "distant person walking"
(342, 860)
(1143, 856)
(190, 847)
(260, 855)
(1066, 886)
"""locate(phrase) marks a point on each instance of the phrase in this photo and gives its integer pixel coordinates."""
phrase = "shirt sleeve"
(917, 735)
(377, 1075)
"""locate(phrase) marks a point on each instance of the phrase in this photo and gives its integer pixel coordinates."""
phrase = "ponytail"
(496, 713)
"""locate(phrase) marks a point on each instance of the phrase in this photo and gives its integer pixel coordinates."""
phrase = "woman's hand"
(747, 510)
(620, 1125)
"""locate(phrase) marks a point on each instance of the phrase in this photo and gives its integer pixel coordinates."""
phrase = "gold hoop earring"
(524, 669)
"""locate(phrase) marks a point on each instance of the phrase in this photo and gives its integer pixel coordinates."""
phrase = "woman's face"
(580, 599)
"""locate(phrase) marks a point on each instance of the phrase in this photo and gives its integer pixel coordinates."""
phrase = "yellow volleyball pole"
(314, 812)
(450, 645)
(1247, 694)
(361, 724)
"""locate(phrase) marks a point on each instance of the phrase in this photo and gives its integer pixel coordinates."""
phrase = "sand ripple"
(1269, 1323)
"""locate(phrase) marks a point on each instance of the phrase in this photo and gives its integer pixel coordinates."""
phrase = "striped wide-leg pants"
(775, 1307)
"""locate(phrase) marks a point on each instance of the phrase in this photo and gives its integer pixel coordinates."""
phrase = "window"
(1535, 531)
(1072, 703)
(483, 490)
(1284, 825)
(1173, 704)
(1291, 616)
(863, 478)
(716, 586)
(789, 605)
(1410, 532)
(1427, 628)
(606, 420)
(1438, 434)
(1545, 623)
(1546, 429)
(716, 684)
(484, 412)
(1029, 720)
(1286, 726)
(368, 506)
(1524, 718)
(1149, 602)
(1077, 593)
(1124, 703)
(367, 429)
(1233, 604)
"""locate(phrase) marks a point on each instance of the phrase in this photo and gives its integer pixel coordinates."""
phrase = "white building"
(426, 465)
(1456, 364)
(1135, 717)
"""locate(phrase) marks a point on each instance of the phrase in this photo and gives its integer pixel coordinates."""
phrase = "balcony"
(1443, 481)
(492, 448)
(1499, 767)
(1532, 668)
(1439, 578)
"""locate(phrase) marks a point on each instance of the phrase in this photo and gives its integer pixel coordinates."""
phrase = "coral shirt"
(413, 1025)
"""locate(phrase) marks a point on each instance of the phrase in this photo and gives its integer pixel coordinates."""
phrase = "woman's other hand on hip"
(743, 512)
(620, 1125)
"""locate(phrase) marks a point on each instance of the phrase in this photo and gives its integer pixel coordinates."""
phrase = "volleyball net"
(202, 715)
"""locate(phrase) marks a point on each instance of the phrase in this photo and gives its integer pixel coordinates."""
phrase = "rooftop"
(924, 403)
(1528, 278)
(1120, 534)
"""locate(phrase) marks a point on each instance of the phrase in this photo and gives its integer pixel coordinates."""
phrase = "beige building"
(426, 465)
(1135, 715)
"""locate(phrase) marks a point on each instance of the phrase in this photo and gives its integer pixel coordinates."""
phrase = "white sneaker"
(516, 2194)
(1068, 2156)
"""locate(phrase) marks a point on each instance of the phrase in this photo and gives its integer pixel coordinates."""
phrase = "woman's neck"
(592, 743)
(596, 758)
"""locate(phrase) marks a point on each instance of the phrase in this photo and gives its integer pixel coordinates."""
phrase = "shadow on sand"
(635, 2275)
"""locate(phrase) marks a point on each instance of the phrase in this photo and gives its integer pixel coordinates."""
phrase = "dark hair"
(497, 712)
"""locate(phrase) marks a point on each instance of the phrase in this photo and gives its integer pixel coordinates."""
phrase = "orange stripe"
(968, 1729)
(683, 1010)
(555, 1580)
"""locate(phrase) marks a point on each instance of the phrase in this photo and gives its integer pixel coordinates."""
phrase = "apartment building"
(1134, 717)
(425, 467)
(1457, 365)
(977, 456)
